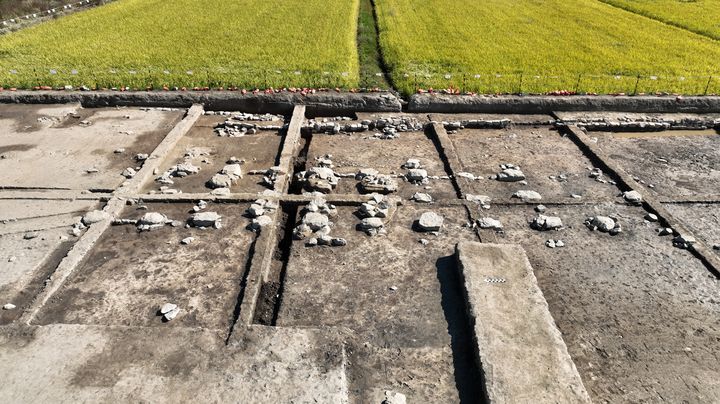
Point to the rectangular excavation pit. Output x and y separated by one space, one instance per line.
35 236
401 298
129 275
73 148
671 164
211 152
540 152
355 151
639 316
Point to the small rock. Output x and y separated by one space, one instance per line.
510 175
94 216
187 240
119 151
338 242
527 195
422 197
169 316
683 241
490 223
544 223
167 308
665 231
412 163
633 197
602 223
430 221
416 175
392 397
540 208
12 259
128 172
550 244
650 217
205 219
30 236
424 241
9 306
559 243
260 222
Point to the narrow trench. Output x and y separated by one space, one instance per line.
429 132
243 287
271 292
270 299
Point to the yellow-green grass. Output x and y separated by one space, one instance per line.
189 43
702 16
535 46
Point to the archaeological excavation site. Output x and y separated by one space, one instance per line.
349 249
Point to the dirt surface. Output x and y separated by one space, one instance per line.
77 363
418 323
130 275
702 219
639 316
676 166
48 147
259 151
540 152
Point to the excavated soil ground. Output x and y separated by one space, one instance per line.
339 324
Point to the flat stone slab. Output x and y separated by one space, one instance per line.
520 350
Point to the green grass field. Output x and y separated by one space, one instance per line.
702 17
533 46
191 43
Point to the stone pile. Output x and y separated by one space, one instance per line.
646 124
270 177
315 225
554 243
318 179
388 127
240 125
604 224
379 183
509 173
259 211
179 170
545 223
372 212
225 177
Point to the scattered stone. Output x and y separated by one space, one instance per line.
422 197
683 241
665 231
469 176
260 222
490 223
417 175
527 195
319 179
540 208
480 199
633 197
30 236
412 163
220 191
12 259
372 226
601 223
141 157
119 151
338 242
378 183
167 308
151 221
545 223
430 222
128 172
424 241
94 216
9 306
92 170
392 397
220 181
170 315
232 170
510 175
651 217
365 172
206 219
576 196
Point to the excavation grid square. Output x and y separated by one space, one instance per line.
210 153
672 164
551 164
397 292
129 274
632 308
69 147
